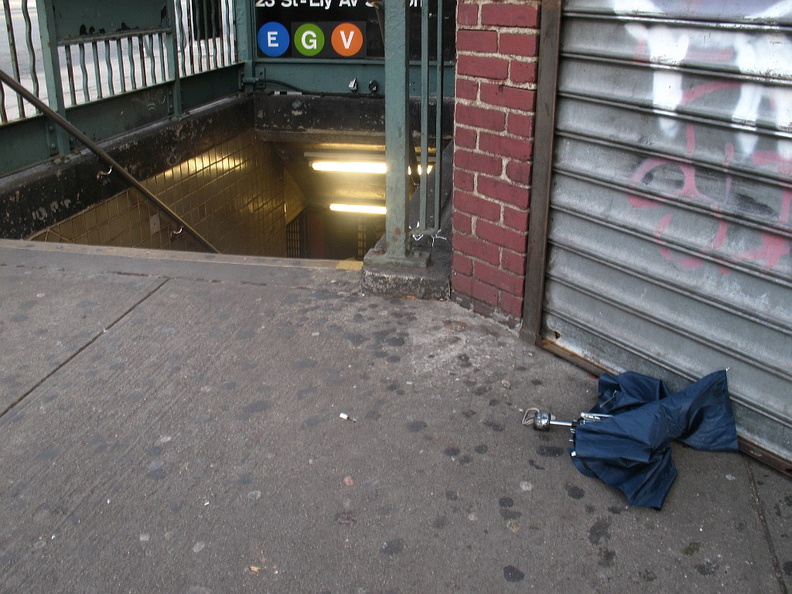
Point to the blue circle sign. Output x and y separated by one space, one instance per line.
273 39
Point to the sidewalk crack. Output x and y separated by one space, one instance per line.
80 350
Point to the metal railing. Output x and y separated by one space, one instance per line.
405 226
104 156
192 37
429 212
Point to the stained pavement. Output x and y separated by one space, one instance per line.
171 424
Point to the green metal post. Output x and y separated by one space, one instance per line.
246 38
52 74
438 115
423 221
395 249
173 59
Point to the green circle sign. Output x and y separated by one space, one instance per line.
309 39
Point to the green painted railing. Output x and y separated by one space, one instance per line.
404 225
127 67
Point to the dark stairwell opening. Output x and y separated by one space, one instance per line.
238 171
213 138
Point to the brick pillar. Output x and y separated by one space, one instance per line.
497 46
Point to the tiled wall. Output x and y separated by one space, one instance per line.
294 200
123 221
237 195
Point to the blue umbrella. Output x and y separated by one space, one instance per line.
630 450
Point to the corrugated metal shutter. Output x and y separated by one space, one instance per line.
669 231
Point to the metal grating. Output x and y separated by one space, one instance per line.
90 63
669 230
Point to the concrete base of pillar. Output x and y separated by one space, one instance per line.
432 281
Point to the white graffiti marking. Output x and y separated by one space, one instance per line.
764 54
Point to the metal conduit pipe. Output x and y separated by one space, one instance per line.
104 156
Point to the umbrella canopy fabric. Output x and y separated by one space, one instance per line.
631 449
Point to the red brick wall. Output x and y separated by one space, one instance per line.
497 46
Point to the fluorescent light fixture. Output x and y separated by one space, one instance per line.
420 169
376 167
358 208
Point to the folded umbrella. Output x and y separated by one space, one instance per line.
630 450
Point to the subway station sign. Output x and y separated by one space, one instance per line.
340 29
313 40
316 29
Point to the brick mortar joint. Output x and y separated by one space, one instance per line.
521 3
498 55
479 104
494 81
502 250
502 178
500 134
506 83
500 28
482 198
503 158
499 266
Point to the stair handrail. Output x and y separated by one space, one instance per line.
116 167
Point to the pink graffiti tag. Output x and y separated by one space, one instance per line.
689 192
773 246
758 54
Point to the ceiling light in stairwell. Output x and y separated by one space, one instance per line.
372 167
420 169
358 208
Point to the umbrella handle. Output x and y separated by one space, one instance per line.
542 421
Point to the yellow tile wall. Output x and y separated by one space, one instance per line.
237 195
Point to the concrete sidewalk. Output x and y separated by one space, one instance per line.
171 424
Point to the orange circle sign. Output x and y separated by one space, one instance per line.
347 39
